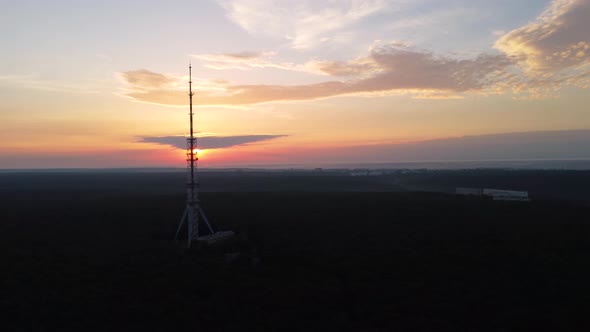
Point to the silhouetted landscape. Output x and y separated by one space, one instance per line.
313 165
314 251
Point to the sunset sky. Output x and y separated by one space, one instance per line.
104 83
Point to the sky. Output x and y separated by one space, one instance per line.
104 84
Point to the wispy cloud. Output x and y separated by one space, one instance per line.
256 60
209 142
242 61
305 23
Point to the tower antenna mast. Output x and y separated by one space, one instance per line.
192 143
193 213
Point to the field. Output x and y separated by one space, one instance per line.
94 252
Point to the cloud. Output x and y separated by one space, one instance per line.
388 68
557 39
358 68
171 90
148 79
255 60
243 55
209 142
536 61
147 86
522 145
404 68
242 61
553 51
305 23
539 145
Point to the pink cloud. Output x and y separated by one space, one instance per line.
393 68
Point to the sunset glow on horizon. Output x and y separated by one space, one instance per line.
99 85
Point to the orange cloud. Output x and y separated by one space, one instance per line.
394 68
147 79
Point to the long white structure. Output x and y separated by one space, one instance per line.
468 191
495 194
507 195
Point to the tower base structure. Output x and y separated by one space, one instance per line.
194 215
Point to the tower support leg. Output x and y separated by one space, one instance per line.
206 220
184 215
194 223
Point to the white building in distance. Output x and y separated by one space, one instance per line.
495 194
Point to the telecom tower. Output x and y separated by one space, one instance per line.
193 213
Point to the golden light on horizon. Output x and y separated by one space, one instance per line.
355 91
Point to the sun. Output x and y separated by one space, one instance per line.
198 152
